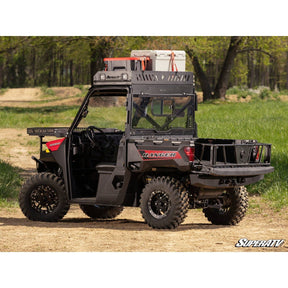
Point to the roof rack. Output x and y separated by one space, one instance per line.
163 82
148 81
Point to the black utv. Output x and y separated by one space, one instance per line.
157 162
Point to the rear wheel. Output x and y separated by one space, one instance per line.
101 212
164 203
43 198
232 209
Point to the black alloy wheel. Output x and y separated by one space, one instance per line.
43 198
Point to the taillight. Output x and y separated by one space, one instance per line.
257 153
190 153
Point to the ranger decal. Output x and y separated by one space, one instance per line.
159 155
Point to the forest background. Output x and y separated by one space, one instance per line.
219 62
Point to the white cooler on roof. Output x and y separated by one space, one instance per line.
163 60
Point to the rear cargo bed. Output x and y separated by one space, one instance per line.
224 153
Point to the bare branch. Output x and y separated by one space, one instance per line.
15 46
256 50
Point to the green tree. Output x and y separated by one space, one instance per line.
208 48
100 47
265 52
218 62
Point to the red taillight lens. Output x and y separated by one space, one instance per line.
257 153
190 152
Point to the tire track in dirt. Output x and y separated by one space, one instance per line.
128 233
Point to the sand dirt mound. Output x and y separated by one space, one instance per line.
25 97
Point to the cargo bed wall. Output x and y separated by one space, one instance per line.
235 152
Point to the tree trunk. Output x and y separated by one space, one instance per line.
1 72
21 68
287 70
274 74
93 61
223 80
100 47
54 73
49 60
61 67
98 52
11 79
71 73
49 76
201 75
33 65
251 71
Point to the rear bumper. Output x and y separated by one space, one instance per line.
225 177
218 182
240 171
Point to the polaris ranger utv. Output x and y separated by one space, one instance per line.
157 163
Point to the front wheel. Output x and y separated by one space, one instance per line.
164 203
43 198
232 209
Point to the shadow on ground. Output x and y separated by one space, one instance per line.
113 224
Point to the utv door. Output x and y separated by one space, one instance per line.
96 156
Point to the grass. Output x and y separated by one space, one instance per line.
265 121
16 117
23 117
3 90
261 92
11 117
10 182
112 117
47 92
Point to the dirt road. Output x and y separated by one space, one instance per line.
128 232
